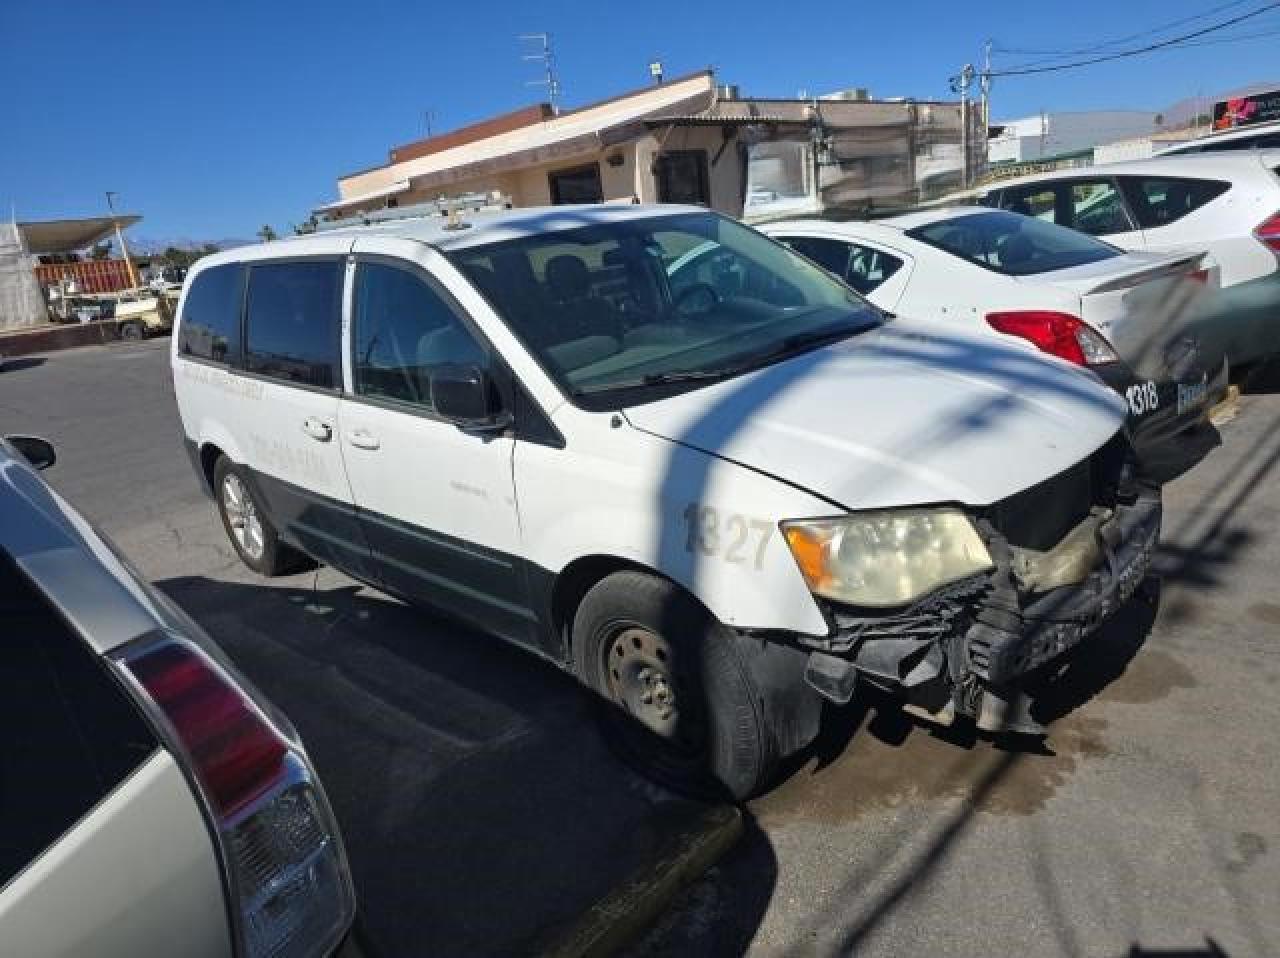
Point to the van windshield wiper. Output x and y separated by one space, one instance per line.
801 342
659 379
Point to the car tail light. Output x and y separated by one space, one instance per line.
1060 334
286 873
1268 233
1199 275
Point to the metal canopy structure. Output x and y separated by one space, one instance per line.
69 236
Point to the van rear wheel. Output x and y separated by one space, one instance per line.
252 535
678 702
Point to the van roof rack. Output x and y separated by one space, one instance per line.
449 207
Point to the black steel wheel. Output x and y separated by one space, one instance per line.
677 701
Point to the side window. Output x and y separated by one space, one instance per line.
1159 201
403 329
868 268
1038 200
831 255
1097 208
210 324
292 326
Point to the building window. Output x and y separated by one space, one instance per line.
683 177
578 185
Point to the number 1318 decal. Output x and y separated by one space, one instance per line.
1142 397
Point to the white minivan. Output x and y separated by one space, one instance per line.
718 489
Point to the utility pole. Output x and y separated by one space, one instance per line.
984 84
547 59
961 83
124 250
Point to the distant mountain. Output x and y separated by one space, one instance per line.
158 244
1185 111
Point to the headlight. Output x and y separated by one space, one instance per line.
886 558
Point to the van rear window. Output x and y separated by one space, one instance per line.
1013 244
210 324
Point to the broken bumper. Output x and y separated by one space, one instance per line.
986 633
1009 639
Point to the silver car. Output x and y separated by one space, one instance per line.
151 801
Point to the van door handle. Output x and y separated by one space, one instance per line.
363 439
317 429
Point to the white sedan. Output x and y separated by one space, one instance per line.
1227 204
1128 316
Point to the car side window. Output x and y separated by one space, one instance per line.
868 268
292 322
1097 208
403 330
210 324
832 255
1160 200
1039 201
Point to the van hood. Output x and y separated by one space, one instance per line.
909 413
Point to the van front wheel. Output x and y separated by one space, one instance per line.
678 701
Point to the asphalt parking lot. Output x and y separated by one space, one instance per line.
481 809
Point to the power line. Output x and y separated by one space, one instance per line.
1136 51
1098 47
1239 38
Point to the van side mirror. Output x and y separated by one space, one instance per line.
467 396
39 452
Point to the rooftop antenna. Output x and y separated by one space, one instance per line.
544 56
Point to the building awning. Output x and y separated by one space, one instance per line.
69 236
395 189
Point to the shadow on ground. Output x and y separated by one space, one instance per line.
479 805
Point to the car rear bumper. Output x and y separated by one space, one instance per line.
1171 433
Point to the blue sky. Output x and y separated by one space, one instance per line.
213 118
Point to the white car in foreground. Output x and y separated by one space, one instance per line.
1127 316
1225 203
716 493
151 801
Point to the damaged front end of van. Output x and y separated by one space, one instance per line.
954 609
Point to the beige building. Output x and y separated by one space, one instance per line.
604 152
684 141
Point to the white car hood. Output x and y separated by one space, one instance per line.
907 414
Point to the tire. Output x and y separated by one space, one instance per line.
677 699
132 332
252 535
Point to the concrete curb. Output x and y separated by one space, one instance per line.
628 910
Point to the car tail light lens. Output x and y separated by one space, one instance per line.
1199 275
286 872
1060 334
1268 233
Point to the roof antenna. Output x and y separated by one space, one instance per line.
544 56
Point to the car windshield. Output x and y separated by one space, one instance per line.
656 304
1013 244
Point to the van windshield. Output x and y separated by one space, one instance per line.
630 310
1013 244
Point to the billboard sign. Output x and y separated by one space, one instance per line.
1246 110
